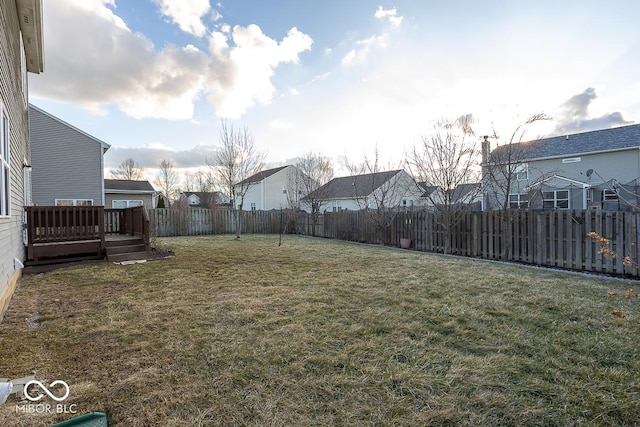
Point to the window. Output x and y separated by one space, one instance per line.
519 201
558 199
74 202
521 172
609 195
5 165
123 204
253 206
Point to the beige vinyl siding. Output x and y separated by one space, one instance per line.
13 101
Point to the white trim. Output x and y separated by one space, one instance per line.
127 203
74 202
5 164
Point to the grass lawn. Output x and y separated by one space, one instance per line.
319 332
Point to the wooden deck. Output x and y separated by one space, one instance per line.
70 233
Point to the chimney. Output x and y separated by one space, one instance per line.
486 149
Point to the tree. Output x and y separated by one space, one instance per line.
503 168
129 169
167 180
313 171
235 161
446 159
379 189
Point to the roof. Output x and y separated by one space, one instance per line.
128 185
351 187
200 194
104 145
603 140
262 175
30 17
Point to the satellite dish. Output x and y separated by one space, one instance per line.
589 173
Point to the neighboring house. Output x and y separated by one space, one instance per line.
21 47
598 169
469 195
123 193
389 189
204 199
271 189
68 166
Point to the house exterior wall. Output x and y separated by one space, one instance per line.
67 164
147 199
13 96
622 166
267 194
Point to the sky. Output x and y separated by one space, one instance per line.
340 78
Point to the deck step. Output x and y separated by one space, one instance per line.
123 249
123 241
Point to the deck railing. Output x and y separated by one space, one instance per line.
47 224
54 231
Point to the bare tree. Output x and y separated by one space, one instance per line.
313 171
504 168
235 161
379 189
167 180
129 169
204 181
189 183
445 160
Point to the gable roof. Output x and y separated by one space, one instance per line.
33 108
262 175
351 187
597 141
128 186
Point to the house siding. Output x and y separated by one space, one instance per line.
15 106
147 199
622 165
58 149
267 194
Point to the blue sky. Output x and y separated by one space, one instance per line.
153 78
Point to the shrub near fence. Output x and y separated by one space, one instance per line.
548 238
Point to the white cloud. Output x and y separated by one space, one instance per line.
99 61
389 14
187 14
294 91
240 74
362 48
281 124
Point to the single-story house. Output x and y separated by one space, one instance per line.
124 193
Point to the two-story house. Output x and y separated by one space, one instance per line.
22 52
68 165
271 189
598 169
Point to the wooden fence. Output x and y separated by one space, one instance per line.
547 238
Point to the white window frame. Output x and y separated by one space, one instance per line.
552 198
5 164
128 203
74 202
23 69
253 206
521 172
518 201
610 195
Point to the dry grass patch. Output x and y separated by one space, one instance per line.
318 332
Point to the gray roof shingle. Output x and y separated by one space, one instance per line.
261 175
127 185
579 143
350 187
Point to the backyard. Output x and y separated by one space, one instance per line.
320 332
